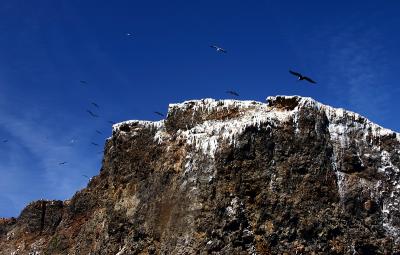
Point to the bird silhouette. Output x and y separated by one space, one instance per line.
301 77
95 144
99 132
92 114
5 140
95 105
83 82
159 113
111 122
219 49
232 93
62 163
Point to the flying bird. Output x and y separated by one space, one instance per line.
92 114
159 113
111 122
232 93
95 105
62 163
301 77
95 144
219 49
99 132
128 34
83 82
4 141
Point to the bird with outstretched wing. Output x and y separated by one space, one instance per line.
301 77
219 49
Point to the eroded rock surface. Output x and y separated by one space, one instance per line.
291 176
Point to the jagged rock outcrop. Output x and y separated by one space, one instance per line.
291 176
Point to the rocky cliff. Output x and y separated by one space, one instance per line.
291 176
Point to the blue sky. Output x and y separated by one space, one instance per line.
47 47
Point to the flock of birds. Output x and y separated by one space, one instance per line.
299 76
218 49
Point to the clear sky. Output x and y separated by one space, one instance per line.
351 48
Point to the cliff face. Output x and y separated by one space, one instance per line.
229 177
